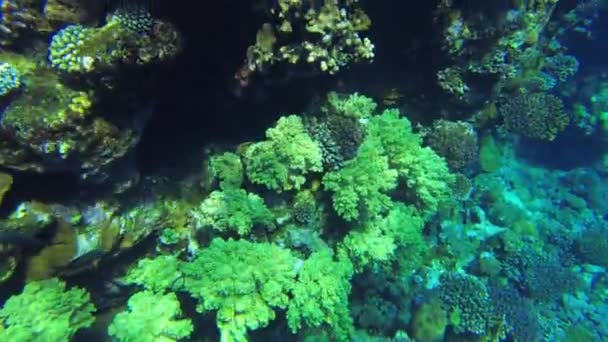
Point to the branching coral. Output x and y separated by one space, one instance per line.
232 209
468 303
45 311
320 296
245 282
537 116
283 161
456 141
151 317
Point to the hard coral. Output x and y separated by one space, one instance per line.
468 303
455 141
538 116
10 80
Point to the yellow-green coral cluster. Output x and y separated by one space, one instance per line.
45 311
245 282
151 317
282 162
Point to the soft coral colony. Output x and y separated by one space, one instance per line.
347 222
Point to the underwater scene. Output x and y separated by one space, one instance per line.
303 170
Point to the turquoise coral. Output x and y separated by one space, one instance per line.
10 80
45 312
151 317
65 50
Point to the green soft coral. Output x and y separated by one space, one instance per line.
360 187
45 312
376 240
245 282
232 210
320 296
424 173
283 160
228 169
157 275
355 105
151 317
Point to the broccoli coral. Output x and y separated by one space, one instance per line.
151 317
377 239
420 169
354 106
360 186
244 281
156 274
232 209
228 168
283 161
65 49
45 312
320 295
